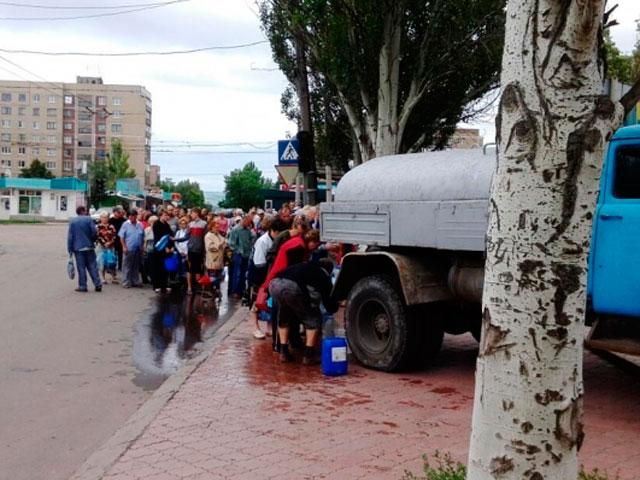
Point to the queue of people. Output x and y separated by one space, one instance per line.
267 254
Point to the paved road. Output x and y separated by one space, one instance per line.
68 376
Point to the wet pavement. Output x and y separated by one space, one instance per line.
174 331
241 414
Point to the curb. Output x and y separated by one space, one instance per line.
100 461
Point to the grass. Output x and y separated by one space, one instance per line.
14 222
445 468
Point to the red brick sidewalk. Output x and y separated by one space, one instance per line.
242 415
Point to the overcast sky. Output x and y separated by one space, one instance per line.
223 96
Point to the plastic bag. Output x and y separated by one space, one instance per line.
262 299
71 268
109 259
162 243
171 263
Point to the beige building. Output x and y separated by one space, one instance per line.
68 125
466 138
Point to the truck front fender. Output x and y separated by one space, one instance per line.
421 279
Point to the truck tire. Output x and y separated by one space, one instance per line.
379 328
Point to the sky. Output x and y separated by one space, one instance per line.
227 100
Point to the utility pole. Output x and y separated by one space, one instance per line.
308 161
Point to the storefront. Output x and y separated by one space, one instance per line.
40 199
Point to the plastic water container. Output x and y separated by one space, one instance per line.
334 356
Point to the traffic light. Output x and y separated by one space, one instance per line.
306 155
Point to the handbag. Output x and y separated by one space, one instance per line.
262 299
71 268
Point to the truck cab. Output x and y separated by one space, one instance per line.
420 221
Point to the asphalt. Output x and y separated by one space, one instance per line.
235 412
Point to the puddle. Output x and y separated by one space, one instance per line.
173 331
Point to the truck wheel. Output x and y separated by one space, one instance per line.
378 326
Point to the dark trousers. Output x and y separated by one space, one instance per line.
239 274
86 262
158 272
118 248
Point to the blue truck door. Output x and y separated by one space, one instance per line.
615 274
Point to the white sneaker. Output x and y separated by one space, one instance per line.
259 335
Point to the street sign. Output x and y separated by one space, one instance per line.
288 152
287 174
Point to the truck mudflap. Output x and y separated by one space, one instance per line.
421 279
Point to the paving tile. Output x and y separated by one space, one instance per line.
243 415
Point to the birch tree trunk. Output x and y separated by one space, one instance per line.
553 124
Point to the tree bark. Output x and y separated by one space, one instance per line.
552 126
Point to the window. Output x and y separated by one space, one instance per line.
36 111
51 125
5 163
68 126
52 99
68 99
67 166
85 129
35 138
68 140
102 140
62 199
101 127
51 138
20 123
52 112
36 125
35 151
102 101
5 110
22 137
5 150
5 123
5 97
84 116
36 98
116 128
5 137
22 97
117 114
51 152
116 101
50 165
22 150
67 113
626 182
22 110
30 202
22 163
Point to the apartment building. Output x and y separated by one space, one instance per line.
69 125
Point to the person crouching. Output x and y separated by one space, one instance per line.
298 290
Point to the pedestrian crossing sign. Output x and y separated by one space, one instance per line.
288 152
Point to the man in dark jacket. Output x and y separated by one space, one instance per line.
298 290
81 240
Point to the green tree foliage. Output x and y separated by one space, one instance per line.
242 187
624 68
117 164
37 169
402 71
192 195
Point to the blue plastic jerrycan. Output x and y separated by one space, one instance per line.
334 356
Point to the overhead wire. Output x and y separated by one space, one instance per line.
74 7
95 15
134 54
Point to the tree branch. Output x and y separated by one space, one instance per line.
630 98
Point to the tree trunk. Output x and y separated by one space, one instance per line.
552 126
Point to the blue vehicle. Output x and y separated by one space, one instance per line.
614 264
422 271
